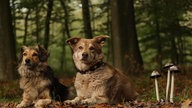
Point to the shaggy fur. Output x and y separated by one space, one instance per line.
37 80
96 81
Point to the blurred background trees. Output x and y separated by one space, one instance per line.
145 34
7 40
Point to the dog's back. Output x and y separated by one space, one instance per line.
119 87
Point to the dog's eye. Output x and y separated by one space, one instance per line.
35 54
91 48
24 54
80 47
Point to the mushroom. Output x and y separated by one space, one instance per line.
173 69
167 66
154 75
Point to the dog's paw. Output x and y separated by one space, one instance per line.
70 102
73 102
89 101
42 103
22 105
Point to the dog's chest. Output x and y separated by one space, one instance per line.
33 80
85 84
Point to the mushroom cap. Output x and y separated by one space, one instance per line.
155 74
168 65
174 69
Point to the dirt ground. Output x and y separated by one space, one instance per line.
131 104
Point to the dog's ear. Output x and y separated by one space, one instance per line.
72 41
22 49
43 53
100 40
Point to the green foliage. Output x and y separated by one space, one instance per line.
57 29
163 28
162 32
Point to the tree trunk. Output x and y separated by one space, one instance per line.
26 27
157 33
37 22
7 46
67 32
109 52
13 10
126 52
66 18
47 23
133 44
116 34
86 19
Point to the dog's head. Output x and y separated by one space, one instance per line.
32 56
87 52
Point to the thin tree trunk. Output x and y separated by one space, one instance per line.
26 27
117 58
157 33
14 17
7 46
174 53
67 31
47 23
109 52
86 19
92 18
37 22
66 18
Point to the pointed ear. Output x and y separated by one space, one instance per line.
43 53
72 41
100 39
22 49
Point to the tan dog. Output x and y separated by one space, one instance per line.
37 80
96 81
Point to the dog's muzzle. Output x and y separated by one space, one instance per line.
85 56
28 62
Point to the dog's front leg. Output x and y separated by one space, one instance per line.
28 98
75 101
44 99
24 103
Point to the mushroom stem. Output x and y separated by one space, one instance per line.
168 84
157 89
172 87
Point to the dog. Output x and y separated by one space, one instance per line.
37 80
96 81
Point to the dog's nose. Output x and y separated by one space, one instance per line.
27 60
85 55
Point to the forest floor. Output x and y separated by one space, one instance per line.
10 94
135 104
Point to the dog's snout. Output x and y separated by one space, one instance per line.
85 55
27 60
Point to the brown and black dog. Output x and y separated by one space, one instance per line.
37 80
96 81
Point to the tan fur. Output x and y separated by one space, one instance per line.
36 77
105 84
33 82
